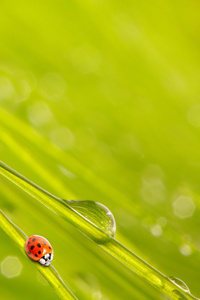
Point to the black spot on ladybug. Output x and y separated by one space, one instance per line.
39 245
33 240
35 255
39 252
32 247
29 252
50 248
29 243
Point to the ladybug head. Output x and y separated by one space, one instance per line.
46 259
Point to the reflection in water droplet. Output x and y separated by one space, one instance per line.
181 284
96 213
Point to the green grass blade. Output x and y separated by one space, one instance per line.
50 273
108 243
12 127
55 204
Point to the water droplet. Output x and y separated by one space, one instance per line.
96 213
181 284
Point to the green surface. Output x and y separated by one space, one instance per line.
11 266
100 100
96 222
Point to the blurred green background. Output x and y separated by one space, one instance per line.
100 100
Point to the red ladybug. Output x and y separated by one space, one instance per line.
39 249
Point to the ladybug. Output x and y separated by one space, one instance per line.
39 249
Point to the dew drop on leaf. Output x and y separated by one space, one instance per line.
181 284
96 213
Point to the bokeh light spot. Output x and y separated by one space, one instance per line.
97 295
63 138
156 230
25 83
6 88
11 266
185 249
39 113
153 189
183 207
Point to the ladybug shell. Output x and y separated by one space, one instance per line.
37 246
